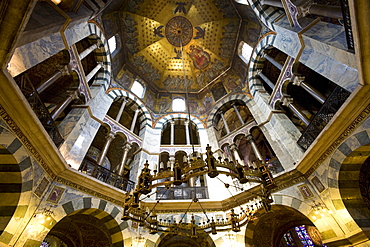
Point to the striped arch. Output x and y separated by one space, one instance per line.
267 14
102 55
243 97
281 203
257 62
162 121
343 180
107 213
119 92
16 181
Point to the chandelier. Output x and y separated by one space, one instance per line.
196 166
191 168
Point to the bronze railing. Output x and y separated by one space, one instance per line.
181 193
332 104
39 109
91 168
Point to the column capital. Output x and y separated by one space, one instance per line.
287 101
298 80
233 147
110 136
249 137
127 146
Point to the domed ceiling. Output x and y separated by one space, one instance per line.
161 36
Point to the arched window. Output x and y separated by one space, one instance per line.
245 52
138 89
112 43
178 104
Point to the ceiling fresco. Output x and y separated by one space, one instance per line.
163 37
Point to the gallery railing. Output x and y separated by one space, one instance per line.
332 104
347 25
40 109
181 193
90 167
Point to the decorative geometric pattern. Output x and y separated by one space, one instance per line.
103 210
179 31
115 93
15 163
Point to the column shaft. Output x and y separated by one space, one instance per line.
275 3
273 61
134 120
103 153
187 133
93 72
86 52
316 94
238 114
326 10
254 147
225 123
48 82
172 137
299 114
119 115
126 149
267 80
60 108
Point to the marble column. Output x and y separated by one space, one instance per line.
171 159
93 72
238 114
273 61
53 78
299 81
172 132
254 147
134 120
265 79
289 103
310 8
103 153
119 115
187 132
126 148
60 108
225 123
274 3
90 49
236 156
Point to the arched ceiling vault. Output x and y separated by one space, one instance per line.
159 36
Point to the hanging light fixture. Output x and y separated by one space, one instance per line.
193 167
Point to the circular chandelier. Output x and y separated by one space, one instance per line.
196 166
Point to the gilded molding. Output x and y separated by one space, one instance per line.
87 190
27 144
360 118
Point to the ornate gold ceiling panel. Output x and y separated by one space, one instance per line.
159 35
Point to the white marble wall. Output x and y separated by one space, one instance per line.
79 128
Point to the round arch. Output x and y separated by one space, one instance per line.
119 92
107 214
163 120
257 62
268 229
245 97
17 172
344 173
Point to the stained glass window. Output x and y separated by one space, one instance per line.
44 244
